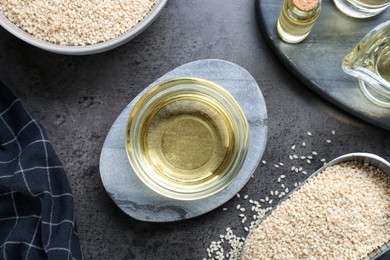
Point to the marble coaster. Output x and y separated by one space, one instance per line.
142 203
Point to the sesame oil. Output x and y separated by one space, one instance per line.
188 140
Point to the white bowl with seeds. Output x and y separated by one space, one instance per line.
76 27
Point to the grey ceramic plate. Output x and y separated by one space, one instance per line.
88 49
317 60
372 159
140 202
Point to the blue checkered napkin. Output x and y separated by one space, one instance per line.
36 203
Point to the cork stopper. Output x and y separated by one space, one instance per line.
306 5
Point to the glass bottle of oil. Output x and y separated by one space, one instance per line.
369 61
297 19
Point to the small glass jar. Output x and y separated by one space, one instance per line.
297 19
187 138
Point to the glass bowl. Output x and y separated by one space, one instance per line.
187 138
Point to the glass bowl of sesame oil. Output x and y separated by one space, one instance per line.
187 138
369 62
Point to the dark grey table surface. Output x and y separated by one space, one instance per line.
77 99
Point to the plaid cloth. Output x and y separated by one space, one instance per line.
36 203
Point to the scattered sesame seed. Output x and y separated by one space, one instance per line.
293 147
328 141
308 161
279 179
238 206
270 201
242 209
262 200
304 172
266 198
281 164
276 192
224 209
303 157
292 168
282 186
303 144
309 134
241 215
333 132
286 190
314 153
295 156
238 195
272 192
264 162
309 157
276 166
290 156
246 229
245 197
323 160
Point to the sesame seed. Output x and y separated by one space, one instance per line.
333 132
264 162
272 192
303 157
308 161
242 209
266 198
270 201
309 134
314 153
245 197
290 156
238 206
293 147
303 144
224 209
276 192
281 164
328 141
238 195
276 166
295 156
323 160
282 176
292 168
357 182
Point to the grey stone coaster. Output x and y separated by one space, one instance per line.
140 202
317 60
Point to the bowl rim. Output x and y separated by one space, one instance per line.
86 49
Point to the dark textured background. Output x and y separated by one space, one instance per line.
77 99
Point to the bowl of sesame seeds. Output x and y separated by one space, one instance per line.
340 212
75 27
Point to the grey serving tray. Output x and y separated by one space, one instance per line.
317 60
135 198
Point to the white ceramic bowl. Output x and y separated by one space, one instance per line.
88 49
